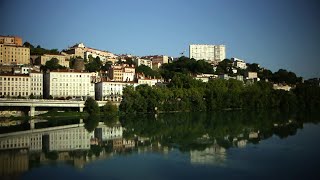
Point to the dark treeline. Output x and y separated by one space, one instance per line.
38 50
184 93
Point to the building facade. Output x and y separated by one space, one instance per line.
11 40
116 73
15 85
207 52
145 62
148 81
239 63
111 90
63 61
128 74
36 88
68 83
11 54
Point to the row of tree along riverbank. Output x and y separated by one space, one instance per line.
184 93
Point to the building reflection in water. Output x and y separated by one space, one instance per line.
213 155
70 143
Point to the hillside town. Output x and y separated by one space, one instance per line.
79 71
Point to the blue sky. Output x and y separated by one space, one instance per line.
274 33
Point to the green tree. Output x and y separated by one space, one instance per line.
53 64
91 106
147 71
94 64
109 113
91 122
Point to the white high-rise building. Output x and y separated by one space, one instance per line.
207 52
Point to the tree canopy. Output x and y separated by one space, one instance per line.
94 64
147 71
52 64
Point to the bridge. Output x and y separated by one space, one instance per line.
33 103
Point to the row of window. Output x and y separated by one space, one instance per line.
13 79
66 75
14 93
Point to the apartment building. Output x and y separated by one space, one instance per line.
239 63
145 62
207 52
116 73
122 73
12 54
157 60
15 85
111 90
148 81
68 83
11 40
36 88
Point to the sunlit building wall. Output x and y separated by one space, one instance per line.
15 85
68 83
207 52
12 54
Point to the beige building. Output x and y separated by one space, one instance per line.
157 60
63 60
80 50
116 73
207 52
76 50
69 83
146 62
15 85
251 75
11 54
11 40
122 73
36 83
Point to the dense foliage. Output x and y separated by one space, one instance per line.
91 106
94 64
52 64
39 50
147 71
184 93
186 66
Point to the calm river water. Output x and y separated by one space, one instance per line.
220 145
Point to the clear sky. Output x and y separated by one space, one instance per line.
274 33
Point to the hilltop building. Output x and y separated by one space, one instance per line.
239 63
12 51
207 52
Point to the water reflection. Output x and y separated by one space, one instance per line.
206 137
71 144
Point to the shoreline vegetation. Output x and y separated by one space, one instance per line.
184 94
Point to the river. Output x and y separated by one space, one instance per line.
217 145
